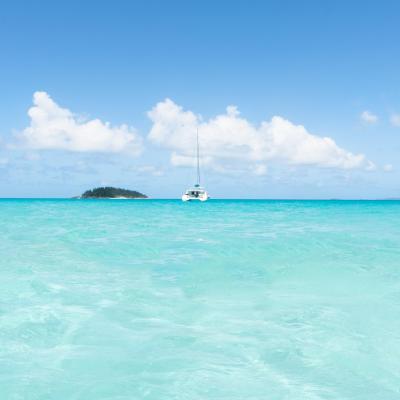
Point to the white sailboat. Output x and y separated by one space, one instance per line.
196 192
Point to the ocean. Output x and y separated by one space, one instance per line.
228 299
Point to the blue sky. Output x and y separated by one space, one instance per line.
329 67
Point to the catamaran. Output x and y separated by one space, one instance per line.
196 192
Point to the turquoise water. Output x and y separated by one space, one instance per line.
223 300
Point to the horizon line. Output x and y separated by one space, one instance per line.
219 198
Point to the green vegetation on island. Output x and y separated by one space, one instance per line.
112 193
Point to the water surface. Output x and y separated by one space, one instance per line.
159 299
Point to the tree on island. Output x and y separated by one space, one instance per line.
111 192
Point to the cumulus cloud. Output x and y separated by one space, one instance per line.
54 127
368 117
230 138
395 120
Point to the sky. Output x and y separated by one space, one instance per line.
291 99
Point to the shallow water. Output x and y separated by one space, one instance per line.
159 299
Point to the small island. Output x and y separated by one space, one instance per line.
112 193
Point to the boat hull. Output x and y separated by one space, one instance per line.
202 197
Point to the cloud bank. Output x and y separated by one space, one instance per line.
230 138
54 127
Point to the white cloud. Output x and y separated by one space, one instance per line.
230 138
388 167
370 166
368 117
395 120
54 127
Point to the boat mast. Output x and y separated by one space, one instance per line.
198 159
